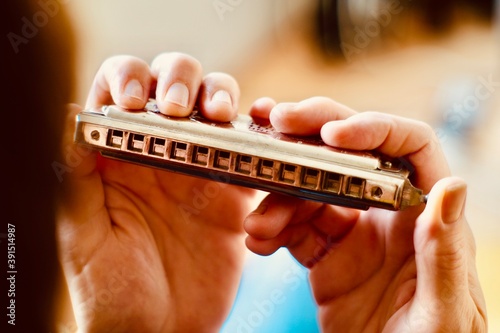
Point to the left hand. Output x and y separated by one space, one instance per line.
376 270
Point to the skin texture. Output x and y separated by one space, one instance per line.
145 250
376 270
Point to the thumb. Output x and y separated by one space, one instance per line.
441 248
80 161
80 184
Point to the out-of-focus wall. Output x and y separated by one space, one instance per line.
421 78
222 34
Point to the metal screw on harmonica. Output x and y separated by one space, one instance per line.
248 154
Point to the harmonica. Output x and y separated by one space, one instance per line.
251 153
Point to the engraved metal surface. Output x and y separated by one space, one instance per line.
245 153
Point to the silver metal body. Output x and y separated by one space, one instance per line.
245 153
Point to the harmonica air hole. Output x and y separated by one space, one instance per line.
115 138
222 159
357 180
355 187
265 169
95 135
135 142
178 151
287 173
332 182
200 155
244 164
157 147
310 178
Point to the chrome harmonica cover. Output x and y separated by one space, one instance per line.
248 153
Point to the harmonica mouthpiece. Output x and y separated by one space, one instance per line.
249 154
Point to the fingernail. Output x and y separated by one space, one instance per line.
453 202
134 89
222 96
178 93
260 210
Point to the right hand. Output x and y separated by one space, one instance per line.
376 270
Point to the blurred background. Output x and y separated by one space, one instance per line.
436 61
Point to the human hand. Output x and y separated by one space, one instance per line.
145 250
376 270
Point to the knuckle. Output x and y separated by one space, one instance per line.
117 68
187 61
431 140
427 130
217 80
178 60
219 77
122 61
318 101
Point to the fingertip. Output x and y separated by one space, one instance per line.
440 220
307 117
331 133
261 107
446 200
255 224
284 118
219 97
77 160
134 95
432 211
73 108
270 218
350 133
219 107
261 247
121 80
454 200
176 100
72 111
178 78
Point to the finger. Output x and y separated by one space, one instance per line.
308 116
442 244
277 211
269 218
82 193
307 243
261 108
219 97
178 81
121 80
393 136
284 221
79 161
293 236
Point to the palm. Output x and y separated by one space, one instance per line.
368 289
171 242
